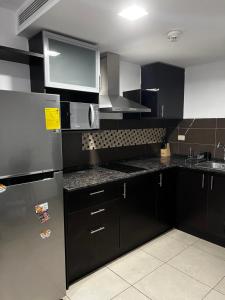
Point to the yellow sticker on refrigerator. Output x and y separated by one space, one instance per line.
52 118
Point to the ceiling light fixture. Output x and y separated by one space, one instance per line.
133 13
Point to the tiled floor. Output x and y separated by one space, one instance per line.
175 266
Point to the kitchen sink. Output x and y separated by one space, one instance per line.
212 165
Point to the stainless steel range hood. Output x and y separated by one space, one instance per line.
110 100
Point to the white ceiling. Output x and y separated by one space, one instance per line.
11 4
145 40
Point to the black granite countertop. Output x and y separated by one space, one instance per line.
99 175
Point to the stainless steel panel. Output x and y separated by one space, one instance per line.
110 100
26 145
32 267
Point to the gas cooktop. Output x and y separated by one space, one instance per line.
123 168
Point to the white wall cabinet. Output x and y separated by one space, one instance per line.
71 64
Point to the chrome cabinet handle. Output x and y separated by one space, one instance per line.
203 181
212 179
97 212
97 230
162 111
124 190
98 192
160 179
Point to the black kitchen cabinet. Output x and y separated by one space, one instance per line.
216 207
165 204
144 97
105 221
191 203
166 82
91 228
138 212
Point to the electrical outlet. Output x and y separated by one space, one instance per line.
181 137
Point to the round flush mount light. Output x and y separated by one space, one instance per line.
174 35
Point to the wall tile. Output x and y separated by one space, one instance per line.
123 153
175 148
220 123
121 138
220 136
184 149
198 123
199 136
172 134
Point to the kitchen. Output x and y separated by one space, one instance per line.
113 150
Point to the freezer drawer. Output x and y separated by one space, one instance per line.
32 259
27 146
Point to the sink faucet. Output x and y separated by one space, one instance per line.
220 145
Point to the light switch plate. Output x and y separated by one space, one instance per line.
181 137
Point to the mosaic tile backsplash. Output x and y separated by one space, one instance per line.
121 138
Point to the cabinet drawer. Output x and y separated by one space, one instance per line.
89 246
93 196
96 215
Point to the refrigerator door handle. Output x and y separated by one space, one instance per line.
18 181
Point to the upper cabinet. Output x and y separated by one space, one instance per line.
69 64
166 83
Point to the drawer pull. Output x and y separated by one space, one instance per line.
97 211
98 192
203 181
97 230
160 179
124 190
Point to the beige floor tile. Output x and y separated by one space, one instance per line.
131 294
211 248
164 248
201 265
221 286
101 285
134 266
214 295
182 236
166 283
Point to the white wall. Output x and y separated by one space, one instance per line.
205 91
130 76
13 76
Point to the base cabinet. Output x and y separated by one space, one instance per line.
165 204
200 205
216 207
91 228
91 245
191 205
106 221
137 212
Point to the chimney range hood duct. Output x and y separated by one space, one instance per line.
110 100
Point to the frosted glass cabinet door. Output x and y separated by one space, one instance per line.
71 64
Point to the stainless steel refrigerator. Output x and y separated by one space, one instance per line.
32 259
